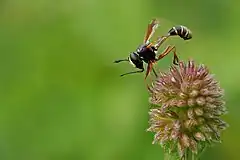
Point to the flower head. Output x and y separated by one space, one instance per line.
187 104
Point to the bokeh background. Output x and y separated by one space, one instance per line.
61 97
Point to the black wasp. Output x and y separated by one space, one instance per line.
148 50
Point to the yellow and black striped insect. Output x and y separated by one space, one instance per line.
181 31
147 52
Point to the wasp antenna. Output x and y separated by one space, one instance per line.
121 60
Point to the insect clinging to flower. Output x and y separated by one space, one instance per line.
147 52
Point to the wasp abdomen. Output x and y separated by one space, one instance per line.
181 31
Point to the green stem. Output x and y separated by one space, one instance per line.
193 156
190 155
167 156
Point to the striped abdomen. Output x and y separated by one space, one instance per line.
181 31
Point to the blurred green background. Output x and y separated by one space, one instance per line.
61 97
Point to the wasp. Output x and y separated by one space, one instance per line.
147 52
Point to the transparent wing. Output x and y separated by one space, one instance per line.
150 30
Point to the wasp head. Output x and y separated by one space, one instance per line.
135 60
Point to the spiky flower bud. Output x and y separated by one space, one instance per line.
187 104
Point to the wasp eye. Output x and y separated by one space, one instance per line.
135 60
134 56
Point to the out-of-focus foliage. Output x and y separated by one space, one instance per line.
61 96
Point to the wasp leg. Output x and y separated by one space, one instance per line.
121 60
155 73
167 51
160 41
132 72
149 68
175 58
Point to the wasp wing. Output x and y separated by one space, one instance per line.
150 30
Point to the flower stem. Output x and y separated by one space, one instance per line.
190 155
167 156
